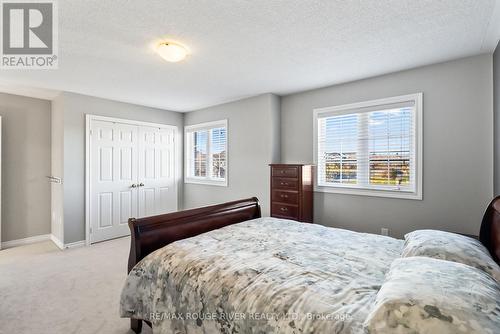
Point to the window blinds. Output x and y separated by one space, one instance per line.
372 147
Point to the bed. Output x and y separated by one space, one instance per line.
225 269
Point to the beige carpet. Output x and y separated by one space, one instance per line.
45 290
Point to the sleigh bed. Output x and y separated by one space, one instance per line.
225 269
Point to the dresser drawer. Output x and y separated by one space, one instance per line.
285 171
285 183
284 211
288 197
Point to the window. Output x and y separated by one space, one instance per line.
206 153
371 148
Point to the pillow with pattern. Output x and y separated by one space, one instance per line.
451 247
425 295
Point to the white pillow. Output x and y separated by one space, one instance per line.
450 247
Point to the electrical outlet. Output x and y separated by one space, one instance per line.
384 231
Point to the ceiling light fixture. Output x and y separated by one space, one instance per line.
172 52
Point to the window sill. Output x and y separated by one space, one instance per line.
370 192
206 182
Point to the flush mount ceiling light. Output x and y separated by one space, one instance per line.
172 52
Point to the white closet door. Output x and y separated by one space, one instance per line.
157 194
113 198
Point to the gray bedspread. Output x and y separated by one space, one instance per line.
261 276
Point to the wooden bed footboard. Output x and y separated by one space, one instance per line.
151 233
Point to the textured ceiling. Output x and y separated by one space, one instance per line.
241 48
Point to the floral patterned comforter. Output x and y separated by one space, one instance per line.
261 276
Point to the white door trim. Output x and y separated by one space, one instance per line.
88 119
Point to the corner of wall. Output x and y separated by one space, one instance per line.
275 109
57 167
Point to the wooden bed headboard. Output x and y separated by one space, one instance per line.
152 233
489 235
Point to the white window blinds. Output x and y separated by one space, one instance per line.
371 146
206 153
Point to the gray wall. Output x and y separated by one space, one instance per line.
458 146
25 163
496 99
75 107
253 143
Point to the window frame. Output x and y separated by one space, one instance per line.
417 99
205 180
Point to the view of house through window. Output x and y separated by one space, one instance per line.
218 153
206 153
200 153
369 147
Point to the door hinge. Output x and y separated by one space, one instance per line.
91 230
91 132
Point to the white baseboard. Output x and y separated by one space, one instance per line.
63 246
26 241
40 238
58 242
80 243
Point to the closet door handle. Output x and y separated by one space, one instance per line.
134 185
141 184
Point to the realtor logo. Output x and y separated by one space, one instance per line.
29 34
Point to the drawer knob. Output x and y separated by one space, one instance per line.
284 183
284 209
284 196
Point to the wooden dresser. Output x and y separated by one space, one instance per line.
292 192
